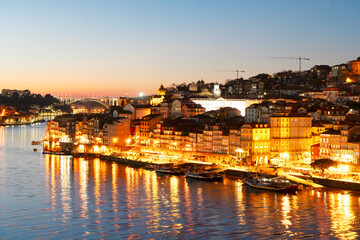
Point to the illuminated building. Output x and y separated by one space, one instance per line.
147 125
255 142
138 111
157 99
220 140
315 152
162 91
191 110
86 133
354 66
60 133
316 129
341 145
214 104
234 141
333 113
291 134
116 133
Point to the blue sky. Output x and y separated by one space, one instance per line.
127 47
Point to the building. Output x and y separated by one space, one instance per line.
138 111
320 72
257 113
215 104
337 71
341 144
291 137
220 140
116 133
354 66
191 110
11 92
234 142
147 125
176 108
255 143
333 113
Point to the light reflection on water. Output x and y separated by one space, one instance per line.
44 196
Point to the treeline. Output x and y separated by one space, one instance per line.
24 102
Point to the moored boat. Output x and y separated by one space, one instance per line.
276 184
35 142
170 168
205 175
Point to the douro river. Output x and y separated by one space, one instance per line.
60 197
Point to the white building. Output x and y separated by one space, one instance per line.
257 113
211 104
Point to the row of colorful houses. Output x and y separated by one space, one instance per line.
286 137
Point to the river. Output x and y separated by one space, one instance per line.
60 197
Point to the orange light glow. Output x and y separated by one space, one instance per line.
348 80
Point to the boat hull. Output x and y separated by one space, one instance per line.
205 177
286 189
168 171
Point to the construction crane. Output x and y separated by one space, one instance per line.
237 72
294 58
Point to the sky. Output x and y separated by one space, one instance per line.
122 48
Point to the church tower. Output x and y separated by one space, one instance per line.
162 91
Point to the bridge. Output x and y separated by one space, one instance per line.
105 101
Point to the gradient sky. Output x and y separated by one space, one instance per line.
121 48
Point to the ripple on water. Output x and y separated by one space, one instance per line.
44 197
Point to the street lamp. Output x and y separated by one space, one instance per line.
240 153
284 156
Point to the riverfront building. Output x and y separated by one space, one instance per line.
341 144
291 136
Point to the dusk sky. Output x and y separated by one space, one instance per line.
121 48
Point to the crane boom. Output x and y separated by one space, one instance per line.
294 58
237 72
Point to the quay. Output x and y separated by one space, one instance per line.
336 183
22 123
315 182
136 163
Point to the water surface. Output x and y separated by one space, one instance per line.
60 197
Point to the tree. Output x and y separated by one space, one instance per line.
323 164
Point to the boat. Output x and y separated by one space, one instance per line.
207 175
35 142
170 168
275 184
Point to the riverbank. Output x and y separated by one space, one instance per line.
232 171
336 183
138 163
22 123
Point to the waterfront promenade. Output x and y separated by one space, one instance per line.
150 161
